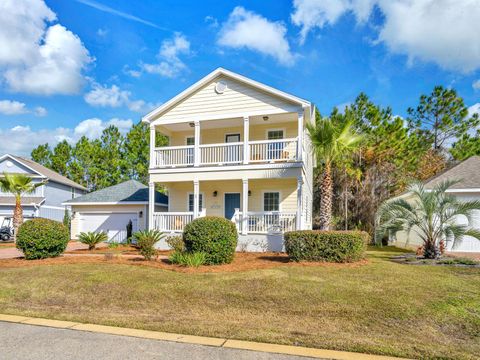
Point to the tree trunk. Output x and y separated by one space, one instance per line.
17 217
430 249
326 194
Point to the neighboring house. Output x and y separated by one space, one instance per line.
111 209
47 200
237 149
467 173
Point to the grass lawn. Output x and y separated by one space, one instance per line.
380 307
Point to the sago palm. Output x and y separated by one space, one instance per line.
432 214
18 185
331 141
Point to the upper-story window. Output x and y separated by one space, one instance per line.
275 134
275 150
190 140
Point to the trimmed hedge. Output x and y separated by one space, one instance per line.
215 236
329 246
42 238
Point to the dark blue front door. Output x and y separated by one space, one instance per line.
232 202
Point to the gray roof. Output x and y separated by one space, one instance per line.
128 191
467 173
50 174
25 200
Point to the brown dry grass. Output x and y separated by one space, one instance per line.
378 307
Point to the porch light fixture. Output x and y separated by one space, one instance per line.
265 118
249 192
140 214
215 193
191 124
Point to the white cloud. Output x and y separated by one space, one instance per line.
476 85
170 65
104 96
92 128
474 109
246 29
9 107
40 111
21 140
12 107
36 57
446 32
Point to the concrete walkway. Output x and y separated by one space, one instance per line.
24 342
12 252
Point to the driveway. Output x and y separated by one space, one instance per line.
20 341
12 252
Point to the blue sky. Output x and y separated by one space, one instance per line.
71 67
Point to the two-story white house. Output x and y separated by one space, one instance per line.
237 149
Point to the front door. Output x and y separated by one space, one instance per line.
232 202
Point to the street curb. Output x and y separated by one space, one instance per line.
197 340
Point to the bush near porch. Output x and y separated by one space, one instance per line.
42 238
215 236
329 246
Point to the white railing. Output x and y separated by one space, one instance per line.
171 156
171 221
267 221
219 154
269 151
273 150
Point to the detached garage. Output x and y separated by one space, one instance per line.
111 209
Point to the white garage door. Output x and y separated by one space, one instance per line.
114 224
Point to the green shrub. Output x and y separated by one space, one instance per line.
215 236
92 238
195 259
329 246
146 240
175 243
42 238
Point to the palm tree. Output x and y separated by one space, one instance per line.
432 214
18 185
331 141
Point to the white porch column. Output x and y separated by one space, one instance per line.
245 207
196 150
153 162
196 198
246 136
299 203
151 205
300 136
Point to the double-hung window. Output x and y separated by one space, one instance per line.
275 149
190 202
271 201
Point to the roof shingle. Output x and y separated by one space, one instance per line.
467 173
128 191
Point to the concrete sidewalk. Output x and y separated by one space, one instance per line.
177 346
20 341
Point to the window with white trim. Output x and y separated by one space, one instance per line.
190 202
271 201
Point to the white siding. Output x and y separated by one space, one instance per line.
237 98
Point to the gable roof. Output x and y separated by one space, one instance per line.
223 72
131 191
46 172
467 173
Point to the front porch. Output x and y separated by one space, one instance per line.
256 206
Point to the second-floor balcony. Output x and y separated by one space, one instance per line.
263 151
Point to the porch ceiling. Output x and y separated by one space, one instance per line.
232 122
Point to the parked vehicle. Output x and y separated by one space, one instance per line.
6 231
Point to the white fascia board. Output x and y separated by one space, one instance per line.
19 161
225 168
111 203
218 72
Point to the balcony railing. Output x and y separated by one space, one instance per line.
264 151
219 154
273 150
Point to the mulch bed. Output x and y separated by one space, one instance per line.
412 259
241 262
